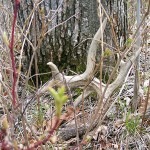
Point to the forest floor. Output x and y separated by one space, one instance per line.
121 129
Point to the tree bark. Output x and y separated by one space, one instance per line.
68 43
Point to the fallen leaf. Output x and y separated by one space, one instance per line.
68 115
53 139
119 123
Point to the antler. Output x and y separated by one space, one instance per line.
86 77
81 79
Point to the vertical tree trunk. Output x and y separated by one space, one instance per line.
67 44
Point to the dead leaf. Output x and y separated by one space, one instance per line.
119 123
68 115
53 139
101 129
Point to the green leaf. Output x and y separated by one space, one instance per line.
60 99
128 42
107 52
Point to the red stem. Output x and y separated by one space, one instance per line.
11 46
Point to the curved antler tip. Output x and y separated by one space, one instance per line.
49 63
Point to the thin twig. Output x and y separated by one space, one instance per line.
75 117
146 104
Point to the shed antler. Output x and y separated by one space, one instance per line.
87 76
81 79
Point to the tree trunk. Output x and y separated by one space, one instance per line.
67 44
